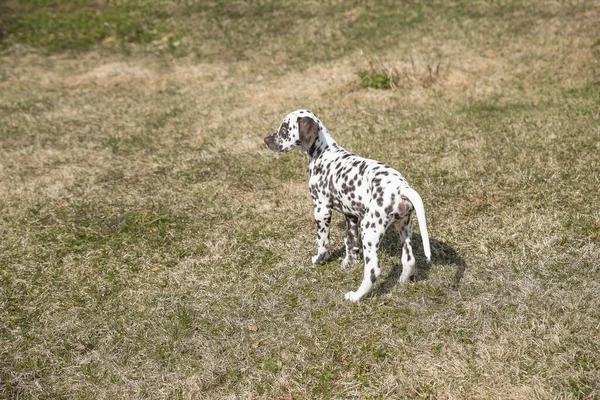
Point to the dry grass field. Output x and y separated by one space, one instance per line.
151 246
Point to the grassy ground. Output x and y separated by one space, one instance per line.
152 247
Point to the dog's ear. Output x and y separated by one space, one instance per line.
309 132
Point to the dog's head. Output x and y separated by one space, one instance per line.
298 130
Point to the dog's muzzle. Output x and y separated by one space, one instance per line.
270 142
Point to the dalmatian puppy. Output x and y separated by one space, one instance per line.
367 192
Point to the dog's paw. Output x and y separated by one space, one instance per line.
320 258
352 296
404 279
348 261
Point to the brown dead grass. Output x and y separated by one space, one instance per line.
141 214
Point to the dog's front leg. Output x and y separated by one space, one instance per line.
373 228
352 241
323 219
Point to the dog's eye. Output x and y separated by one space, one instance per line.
298 143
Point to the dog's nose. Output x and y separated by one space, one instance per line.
268 139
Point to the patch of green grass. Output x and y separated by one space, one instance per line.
218 30
377 80
584 100
57 25
485 109
581 388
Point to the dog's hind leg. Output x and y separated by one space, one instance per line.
404 228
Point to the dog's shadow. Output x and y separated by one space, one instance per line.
441 254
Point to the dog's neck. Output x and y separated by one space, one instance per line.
323 144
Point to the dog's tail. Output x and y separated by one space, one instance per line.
417 203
